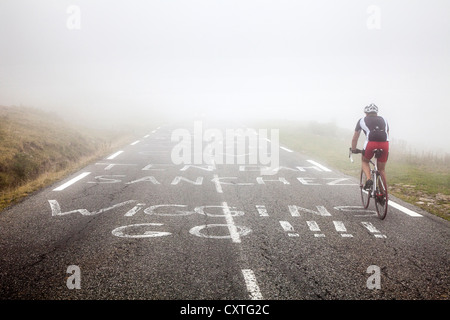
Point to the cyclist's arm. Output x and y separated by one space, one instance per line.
355 139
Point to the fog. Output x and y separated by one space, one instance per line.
244 59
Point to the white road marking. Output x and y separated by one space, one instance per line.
72 181
404 210
230 223
109 166
56 209
136 142
286 149
217 184
340 227
134 210
313 226
118 232
321 211
252 285
114 155
319 165
262 211
372 229
288 228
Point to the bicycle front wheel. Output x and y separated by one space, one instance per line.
365 195
381 197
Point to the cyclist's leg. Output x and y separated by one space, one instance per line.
382 169
366 167
382 160
366 156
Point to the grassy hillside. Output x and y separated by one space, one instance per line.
422 179
38 148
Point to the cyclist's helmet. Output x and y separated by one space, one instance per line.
371 108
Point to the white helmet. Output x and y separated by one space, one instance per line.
371 108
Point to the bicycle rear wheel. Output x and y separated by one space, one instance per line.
381 197
365 195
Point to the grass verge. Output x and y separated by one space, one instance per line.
38 148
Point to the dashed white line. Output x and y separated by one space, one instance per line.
72 181
114 155
252 285
136 142
404 210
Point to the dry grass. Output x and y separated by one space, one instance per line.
39 148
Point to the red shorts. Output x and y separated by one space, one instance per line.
372 145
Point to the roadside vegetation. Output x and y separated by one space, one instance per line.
38 148
420 178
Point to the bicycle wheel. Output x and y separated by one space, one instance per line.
365 196
381 197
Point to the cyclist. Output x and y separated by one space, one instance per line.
376 129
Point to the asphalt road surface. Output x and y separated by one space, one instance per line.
136 225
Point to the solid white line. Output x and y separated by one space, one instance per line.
136 142
114 155
70 182
230 223
286 149
404 210
319 165
217 184
252 285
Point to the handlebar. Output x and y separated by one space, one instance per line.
350 153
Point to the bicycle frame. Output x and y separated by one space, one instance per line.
378 191
373 173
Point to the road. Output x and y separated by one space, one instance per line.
135 225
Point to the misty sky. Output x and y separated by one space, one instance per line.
307 60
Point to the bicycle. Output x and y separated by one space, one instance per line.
378 191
